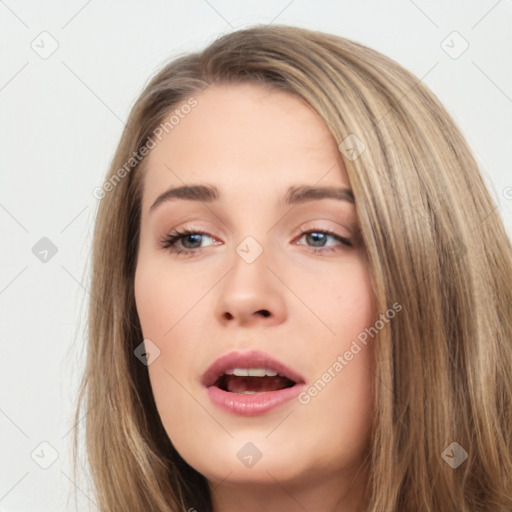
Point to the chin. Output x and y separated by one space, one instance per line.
252 459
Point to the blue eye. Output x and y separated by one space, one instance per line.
186 236
322 236
180 242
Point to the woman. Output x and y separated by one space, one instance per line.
342 342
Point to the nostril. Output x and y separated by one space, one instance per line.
263 312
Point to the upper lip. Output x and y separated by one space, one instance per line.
251 359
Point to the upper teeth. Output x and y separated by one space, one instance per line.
251 372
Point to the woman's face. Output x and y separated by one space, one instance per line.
261 273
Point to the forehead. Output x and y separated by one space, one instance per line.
245 136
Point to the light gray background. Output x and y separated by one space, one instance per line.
61 118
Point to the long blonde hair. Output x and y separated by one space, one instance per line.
435 244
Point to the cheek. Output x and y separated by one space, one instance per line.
162 302
164 295
342 300
343 360
168 306
150 299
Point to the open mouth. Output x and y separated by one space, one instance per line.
251 381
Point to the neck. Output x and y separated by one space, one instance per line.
335 492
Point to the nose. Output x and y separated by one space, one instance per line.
251 294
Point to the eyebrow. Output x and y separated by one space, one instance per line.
294 195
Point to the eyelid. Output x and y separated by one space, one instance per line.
312 225
343 230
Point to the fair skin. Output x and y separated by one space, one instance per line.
303 308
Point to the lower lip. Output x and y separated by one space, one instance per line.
255 404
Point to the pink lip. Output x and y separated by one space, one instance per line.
252 405
258 403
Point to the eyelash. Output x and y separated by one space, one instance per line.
169 240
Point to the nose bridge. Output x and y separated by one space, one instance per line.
251 232
249 273
250 249
250 287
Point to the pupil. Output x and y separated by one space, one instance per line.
317 235
188 237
